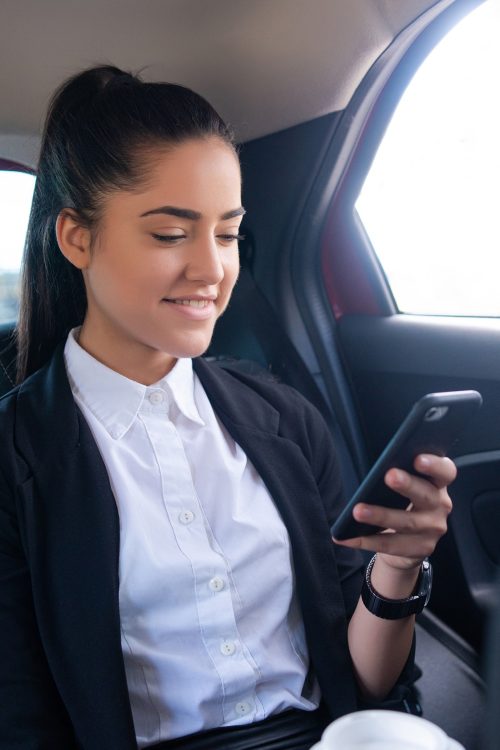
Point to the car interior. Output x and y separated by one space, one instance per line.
309 87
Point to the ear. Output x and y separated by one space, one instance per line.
73 239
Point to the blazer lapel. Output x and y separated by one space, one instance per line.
254 423
71 534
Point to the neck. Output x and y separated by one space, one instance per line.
134 360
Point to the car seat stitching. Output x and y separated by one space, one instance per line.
6 373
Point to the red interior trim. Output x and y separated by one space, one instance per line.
348 283
7 165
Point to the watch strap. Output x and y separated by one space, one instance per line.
395 609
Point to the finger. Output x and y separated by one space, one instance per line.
440 469
401 545
401 521
420 491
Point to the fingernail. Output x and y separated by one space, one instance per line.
397 477
424 461
364 512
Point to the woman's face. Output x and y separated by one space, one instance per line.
164 261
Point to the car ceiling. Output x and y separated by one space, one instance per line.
264 64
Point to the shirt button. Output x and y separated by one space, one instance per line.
186 517
216 584
156 397
227 648
242 708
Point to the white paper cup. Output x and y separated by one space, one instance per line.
384 730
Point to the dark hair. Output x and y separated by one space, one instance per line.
99 124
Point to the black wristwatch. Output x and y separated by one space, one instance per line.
395 609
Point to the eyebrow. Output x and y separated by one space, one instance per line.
188 213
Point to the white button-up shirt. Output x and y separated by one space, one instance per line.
212 634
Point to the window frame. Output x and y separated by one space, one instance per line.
345 267
375 129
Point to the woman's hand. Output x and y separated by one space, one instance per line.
379 648
412 534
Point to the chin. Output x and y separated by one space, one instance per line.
189 349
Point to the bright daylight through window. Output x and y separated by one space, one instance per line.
16 191
430 203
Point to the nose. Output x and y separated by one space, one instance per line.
204 263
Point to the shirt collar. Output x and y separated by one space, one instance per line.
114 399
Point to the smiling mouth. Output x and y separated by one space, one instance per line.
198 303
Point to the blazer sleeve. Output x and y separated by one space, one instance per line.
350 563
32 716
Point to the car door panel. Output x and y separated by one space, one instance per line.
391 361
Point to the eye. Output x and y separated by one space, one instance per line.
168 238
231 237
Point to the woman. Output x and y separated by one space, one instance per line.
168 579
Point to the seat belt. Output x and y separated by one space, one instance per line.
282 359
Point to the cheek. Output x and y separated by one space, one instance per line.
128 275
231 271
114 278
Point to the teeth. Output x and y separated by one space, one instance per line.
192 302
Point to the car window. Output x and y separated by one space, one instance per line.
430 201
16 192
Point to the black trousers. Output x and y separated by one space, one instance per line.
291 730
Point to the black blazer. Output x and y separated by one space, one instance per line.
62 677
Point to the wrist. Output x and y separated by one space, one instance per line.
393 583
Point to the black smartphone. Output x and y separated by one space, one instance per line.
432 426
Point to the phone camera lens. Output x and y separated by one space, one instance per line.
435 413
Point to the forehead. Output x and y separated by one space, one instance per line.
203 175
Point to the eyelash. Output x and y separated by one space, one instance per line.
232 237
171 238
